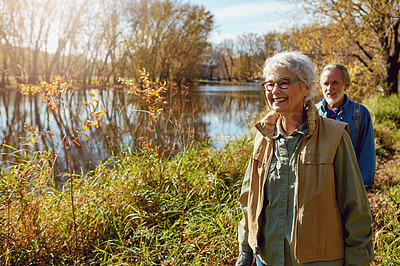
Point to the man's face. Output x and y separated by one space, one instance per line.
333 87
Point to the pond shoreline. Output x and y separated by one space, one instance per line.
206 113
12 87
223 82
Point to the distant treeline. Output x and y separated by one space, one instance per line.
95 42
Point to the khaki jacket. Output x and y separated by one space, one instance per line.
318 228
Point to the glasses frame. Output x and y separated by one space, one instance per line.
277 82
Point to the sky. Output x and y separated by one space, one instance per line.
234 17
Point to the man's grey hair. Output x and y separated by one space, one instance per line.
298 63
345 73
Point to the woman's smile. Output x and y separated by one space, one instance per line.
279 99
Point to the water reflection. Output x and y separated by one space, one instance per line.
225 110
212 113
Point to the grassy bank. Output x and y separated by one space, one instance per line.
146 209
385 196
134 209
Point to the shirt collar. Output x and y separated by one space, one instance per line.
302 129
266 126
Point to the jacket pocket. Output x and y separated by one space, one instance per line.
316 159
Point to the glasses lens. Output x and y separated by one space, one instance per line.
269 86
283 84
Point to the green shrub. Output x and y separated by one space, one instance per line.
386 109
385 113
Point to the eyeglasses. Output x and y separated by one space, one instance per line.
283 84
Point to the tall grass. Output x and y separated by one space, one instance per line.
146 208
136 208
387 233
385 197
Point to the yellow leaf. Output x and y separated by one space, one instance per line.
97 114
85 125
93 93
95 123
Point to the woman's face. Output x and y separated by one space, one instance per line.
289 100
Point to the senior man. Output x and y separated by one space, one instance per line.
335 80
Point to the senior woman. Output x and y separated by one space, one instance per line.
302 196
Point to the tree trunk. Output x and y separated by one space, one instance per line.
33 73
393 69
393 62
3 74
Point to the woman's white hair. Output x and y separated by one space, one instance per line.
298 63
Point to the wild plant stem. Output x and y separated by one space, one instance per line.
67 147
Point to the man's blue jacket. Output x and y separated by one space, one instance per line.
363 141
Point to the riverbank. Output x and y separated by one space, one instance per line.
227 82
149 209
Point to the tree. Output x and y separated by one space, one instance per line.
71 18
11 39
373 27
167 38
251 57
107 38
31 28
227 58
325 44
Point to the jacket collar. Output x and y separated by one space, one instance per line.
266 126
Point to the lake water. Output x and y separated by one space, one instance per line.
211 113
